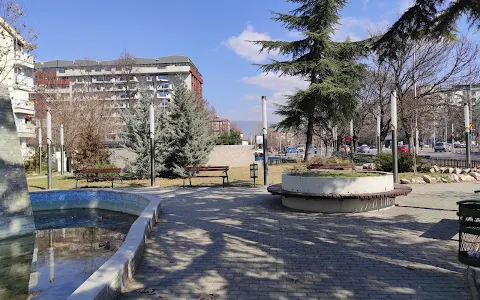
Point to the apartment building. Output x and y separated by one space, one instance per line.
116 81
16 71
458 94
219 126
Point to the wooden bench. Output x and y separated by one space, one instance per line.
331 166
93 175
193 172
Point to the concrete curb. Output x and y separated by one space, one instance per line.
109 280
472 275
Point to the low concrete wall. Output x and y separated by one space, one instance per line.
313 185
337 205
223 155
232 156
108 281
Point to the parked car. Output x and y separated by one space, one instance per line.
363 149
402 149
441 147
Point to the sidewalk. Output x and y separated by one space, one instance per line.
241 243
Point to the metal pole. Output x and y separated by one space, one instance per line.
51 257
40 149
414 133
351 140
265 142
415 143
152 145
379 125
49 146
453 139
394 135
62 171
467 133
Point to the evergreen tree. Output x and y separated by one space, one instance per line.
427 18
137 137
191 140
329 66
232 138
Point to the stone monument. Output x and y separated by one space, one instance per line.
17 229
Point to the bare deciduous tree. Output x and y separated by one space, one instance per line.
439 65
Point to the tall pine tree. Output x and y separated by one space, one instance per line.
191 140
427 19
329 66
137 136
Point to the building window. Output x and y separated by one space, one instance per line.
162 94
61 70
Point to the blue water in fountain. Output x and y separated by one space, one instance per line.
70 246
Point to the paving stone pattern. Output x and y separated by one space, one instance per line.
240 243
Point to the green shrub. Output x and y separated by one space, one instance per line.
358 158
405 162
384 162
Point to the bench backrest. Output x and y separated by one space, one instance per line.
95 171
331 166
206 168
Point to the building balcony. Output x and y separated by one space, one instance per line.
25 130
23 107
97 80
24 59
162 78
164 86
23 82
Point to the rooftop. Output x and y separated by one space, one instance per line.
79 63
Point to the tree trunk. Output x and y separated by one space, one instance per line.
308 145
408 137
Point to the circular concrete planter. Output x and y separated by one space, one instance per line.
312 185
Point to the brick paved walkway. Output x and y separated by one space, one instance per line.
240 243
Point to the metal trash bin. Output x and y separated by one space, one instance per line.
469 232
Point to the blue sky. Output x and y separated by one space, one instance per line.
211 32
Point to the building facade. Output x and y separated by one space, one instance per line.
219 126
117 82
16 72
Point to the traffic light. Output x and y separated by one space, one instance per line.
470 125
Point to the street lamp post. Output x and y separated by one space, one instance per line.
394 135
152 145
49 147
467 133
378 133
265 140
351 140
62 147
40 149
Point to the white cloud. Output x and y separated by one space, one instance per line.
358 28
275 87
275 83
249 51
